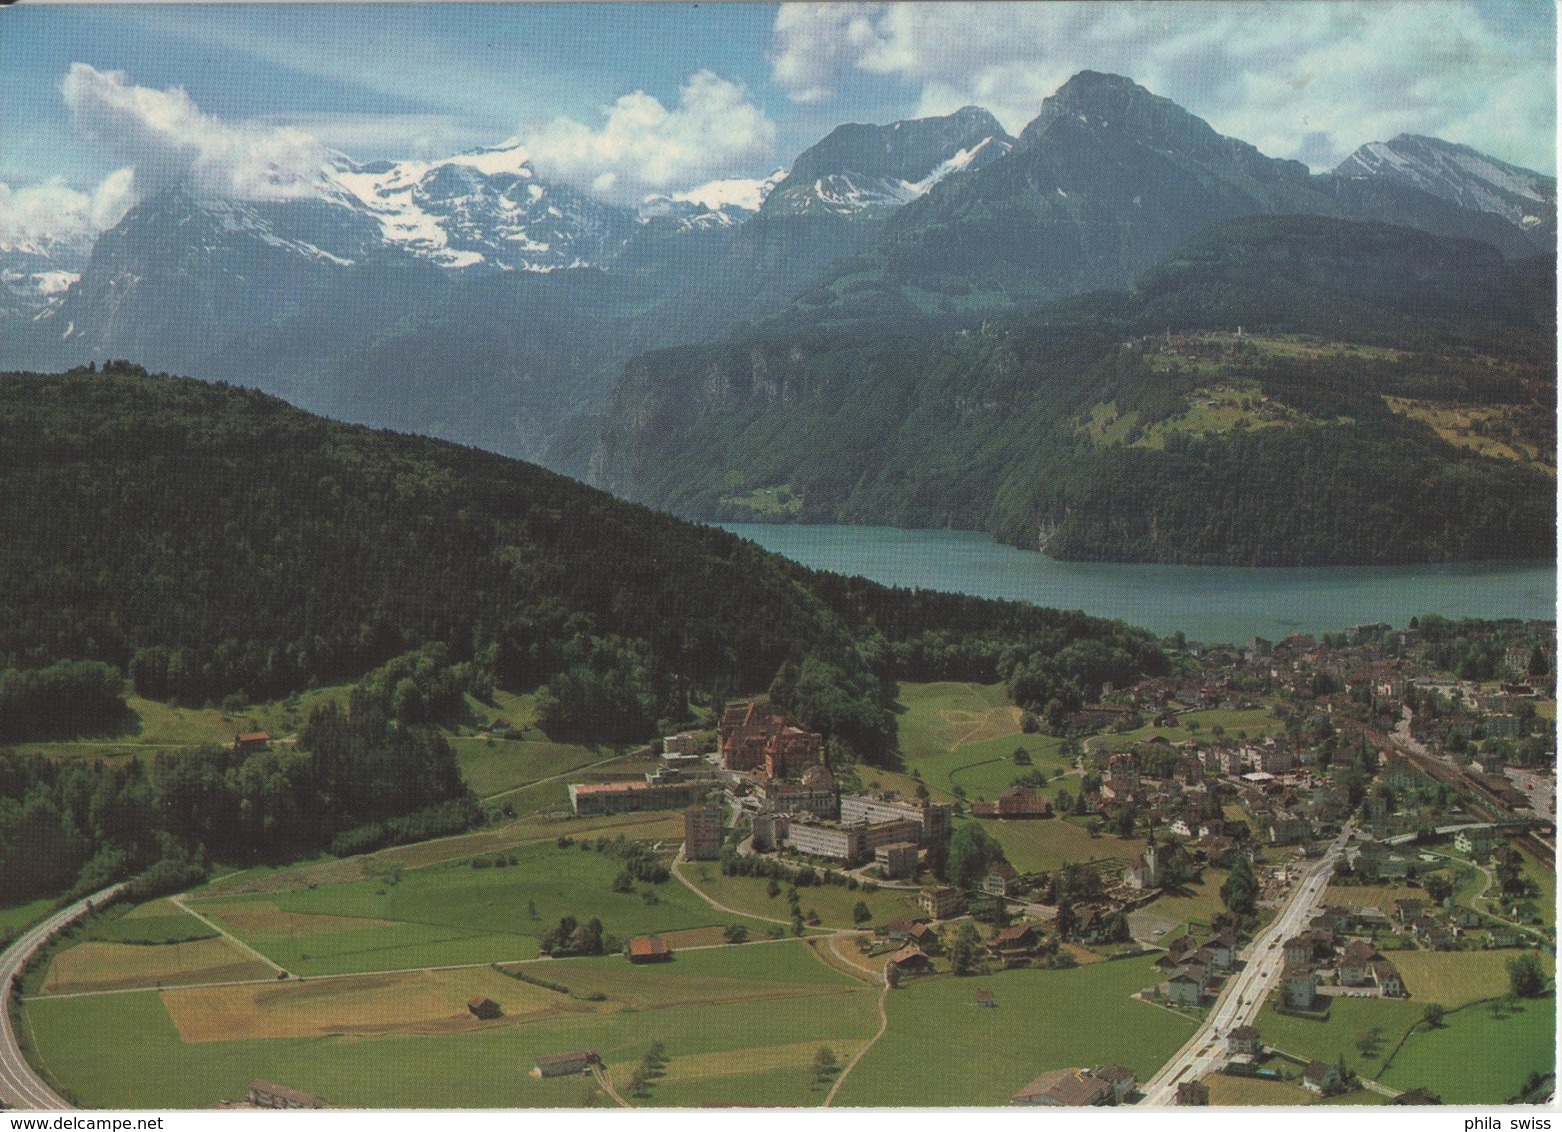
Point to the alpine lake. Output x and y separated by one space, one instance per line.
1207 603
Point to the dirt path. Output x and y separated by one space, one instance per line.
607 1086
852 1064
677 871
179 901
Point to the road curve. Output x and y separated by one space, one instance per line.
20 1086
1244 993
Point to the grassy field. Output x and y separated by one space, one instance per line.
1256 722
1481 1054
1489 430
1252 1091
97 966
1457 978
717 1052
833 903
494 766
1033 846
1200 901
452 913
943 1049
1372 895
965 735
156 726
1350 1019
156 922
17 918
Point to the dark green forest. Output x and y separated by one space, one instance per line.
204 544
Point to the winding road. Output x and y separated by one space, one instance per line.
20 1085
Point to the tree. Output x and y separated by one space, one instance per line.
1433 1015
861 914
971 853
735 933
963 953
1240 891
1438 887
826 1065
892 976
1526 977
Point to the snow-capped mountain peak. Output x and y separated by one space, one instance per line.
1462 176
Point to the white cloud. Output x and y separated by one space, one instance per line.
1311 81
52 214
643 145
168 140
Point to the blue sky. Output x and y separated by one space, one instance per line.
634 98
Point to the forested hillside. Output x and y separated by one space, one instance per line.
206 544
1348 393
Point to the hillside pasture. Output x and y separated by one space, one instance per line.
1037 845
1350 1019
454 913
99 966
1457 978
833 902
419 1002
1482 1054
83 1042
494 766
942 1049
962 734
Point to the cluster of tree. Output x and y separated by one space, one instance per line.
63 699
1239 891
652 1066
972 854
355 781
570 937
258 551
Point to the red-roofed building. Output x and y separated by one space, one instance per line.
648 949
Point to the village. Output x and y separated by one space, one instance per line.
1426 779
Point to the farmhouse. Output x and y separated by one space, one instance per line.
265 1094
564 1064
251 742
648 949
910 960
1322 1078
1244 1041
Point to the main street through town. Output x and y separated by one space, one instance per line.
1244 992
20 1086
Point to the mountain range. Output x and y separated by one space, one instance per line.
473 299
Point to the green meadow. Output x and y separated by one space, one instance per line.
453 913
1482 1054
122 1051
943 1049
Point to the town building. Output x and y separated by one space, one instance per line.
703 833
841 841
932 817
941 902
591 798
1065 1088
899 859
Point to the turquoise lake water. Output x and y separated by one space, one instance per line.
1208 603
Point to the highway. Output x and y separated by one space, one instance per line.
1245 991
20 1087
